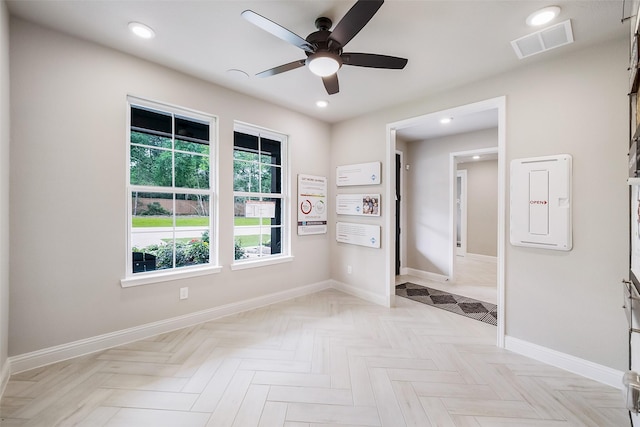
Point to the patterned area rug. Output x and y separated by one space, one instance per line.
469 307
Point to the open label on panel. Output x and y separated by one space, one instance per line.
541 202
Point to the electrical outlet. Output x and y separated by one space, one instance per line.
349 270
184 293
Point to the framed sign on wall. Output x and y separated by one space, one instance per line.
312 204
358 174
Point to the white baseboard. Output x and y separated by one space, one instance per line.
5 373
47 356
427 275
585 368
359 293
480 257
404 271
23 362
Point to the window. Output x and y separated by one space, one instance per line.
170 189
260 198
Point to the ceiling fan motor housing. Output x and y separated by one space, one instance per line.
323 23
320 38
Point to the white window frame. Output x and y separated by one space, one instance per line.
285 238
158 276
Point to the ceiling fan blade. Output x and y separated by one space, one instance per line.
355 19
373 60
331 84
282 68
277 30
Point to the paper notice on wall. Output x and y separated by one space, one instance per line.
358 174
256 209
312 204
358 234
358 204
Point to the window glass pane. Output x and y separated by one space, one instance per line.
151 231
192 210
240 218
193 147
149 139
192 171
271 211
248 156
275 241
192 229
150 166
253 231
270 179
246 176
152 120
191 129
248 241
271 151
151 209
242 140
246 229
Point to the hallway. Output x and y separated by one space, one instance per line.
476 277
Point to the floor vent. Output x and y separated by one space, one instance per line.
543 40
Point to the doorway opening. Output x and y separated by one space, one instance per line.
463 166
496 107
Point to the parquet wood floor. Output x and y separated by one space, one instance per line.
327 359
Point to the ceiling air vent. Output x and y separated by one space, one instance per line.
544 40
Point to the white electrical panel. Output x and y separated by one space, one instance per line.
541 202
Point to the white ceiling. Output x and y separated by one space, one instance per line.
448 43
429 126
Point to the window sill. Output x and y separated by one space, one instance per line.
158 277
242 265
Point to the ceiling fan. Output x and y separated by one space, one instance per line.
324 47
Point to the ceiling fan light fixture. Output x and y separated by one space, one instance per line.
324 64
543 16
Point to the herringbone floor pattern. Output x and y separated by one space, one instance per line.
321 360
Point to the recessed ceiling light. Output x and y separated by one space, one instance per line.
476 157
322 104
543 16
446 120
141 30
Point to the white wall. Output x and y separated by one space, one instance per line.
4 191
428 197
68 207
482 207
367 266
577 104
